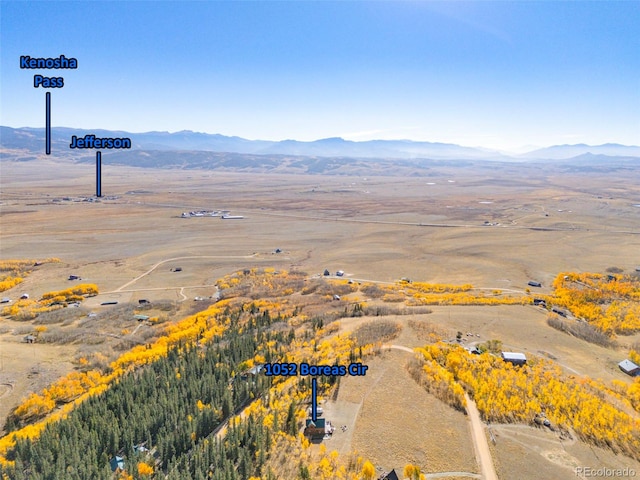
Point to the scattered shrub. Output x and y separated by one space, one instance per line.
375 331
581 329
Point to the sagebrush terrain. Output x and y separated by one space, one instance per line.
441 255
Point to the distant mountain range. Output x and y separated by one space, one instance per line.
187 149
562 152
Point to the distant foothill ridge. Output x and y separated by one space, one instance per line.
21 138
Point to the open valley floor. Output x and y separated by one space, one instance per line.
496 229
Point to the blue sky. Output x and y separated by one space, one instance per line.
494 74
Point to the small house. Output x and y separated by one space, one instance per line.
141 448
340 273
541 419
534 284
319 411
514 358
559 311
116 463
315 430
630 368
392 475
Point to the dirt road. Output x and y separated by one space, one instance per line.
477 431
179 258
480 441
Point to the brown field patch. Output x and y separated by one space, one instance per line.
392 421
379 229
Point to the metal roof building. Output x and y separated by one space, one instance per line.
514 358
630 368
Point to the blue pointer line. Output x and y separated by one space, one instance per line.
314 400
98 174
47 121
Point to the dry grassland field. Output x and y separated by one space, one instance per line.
496 228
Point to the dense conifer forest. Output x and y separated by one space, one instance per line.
164 415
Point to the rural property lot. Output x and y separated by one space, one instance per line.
491 228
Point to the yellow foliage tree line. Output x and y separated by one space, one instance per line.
504 393
71 294
420 293
321 465
12 272
609 302
436 287
77 386
463 298
27 309
200 327
10 282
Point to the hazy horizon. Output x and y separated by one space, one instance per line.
506 76
514 151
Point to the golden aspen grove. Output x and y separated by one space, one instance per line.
609 302
27 309
12 272
249 423
309 240
231 318
507 393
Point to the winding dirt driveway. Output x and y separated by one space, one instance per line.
480 441
174 259
477 434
